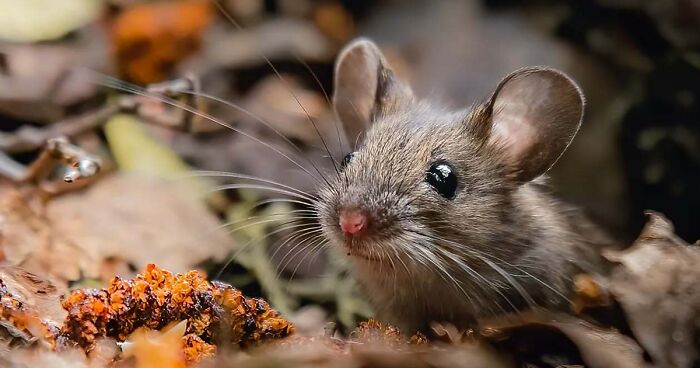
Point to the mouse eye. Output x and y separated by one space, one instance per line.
442 178
347 159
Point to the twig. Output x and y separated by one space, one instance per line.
30 138
83 167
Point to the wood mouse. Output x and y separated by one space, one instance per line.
445 215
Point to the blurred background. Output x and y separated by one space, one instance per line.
77 68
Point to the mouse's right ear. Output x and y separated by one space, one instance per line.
364 87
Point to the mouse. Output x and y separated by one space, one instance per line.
446 215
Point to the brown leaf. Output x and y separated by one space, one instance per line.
36 292
598 347
40 91
656 283
140 220
28 240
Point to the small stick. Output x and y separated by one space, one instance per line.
28 138
83 167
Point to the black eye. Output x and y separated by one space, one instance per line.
347 159
442 178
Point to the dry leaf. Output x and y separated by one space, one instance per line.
39 91
656 282
597 347
156 349
29 240
140 220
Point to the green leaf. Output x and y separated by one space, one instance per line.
135 150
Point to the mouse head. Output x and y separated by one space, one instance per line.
421 173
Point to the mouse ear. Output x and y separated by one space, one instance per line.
365 87
535 113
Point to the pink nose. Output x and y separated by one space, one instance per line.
352 222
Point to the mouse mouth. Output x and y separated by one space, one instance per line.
364 249
363 254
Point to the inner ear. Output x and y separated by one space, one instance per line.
535 114
365 86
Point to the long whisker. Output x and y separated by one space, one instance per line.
483 257
519 268
265 221
325 95
236 254
294 236
283 200
224 102
280 214
444 273
262 187
289 88
303 244
193 111
317 241
255 117
224 174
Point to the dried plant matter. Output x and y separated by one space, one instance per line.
157 298
182 319
21 321
131 310
656 283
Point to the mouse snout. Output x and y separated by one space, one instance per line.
353 222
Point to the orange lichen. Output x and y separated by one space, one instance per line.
196 349
157 298
371 331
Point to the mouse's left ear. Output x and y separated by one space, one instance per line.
535 113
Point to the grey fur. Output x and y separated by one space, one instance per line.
501 245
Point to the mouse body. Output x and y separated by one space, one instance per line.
445 215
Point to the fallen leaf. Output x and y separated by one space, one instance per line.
139 219
32 89
598 347
36 292
656 283
156 349
41 20
29 241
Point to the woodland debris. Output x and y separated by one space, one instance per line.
373 331
656 283
157 298
21 320
29 138
550 338
109 221
32 89
41 20
79 166
150 39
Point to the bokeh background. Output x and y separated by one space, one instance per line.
637 61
